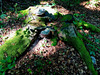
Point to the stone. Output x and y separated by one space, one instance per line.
93 60
40 11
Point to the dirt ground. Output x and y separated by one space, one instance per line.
65 60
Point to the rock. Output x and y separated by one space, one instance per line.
45 33
81 71
93 60
40 11
68 18
72 49
67 30
85 67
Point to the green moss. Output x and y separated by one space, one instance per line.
54 40
27 20
91 27
87 25
79 45
24 12
57 15
43 19
66 17
83 38
15 46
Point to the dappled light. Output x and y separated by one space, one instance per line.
49 37
91 5
44 47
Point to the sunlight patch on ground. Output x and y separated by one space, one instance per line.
44 47
91 5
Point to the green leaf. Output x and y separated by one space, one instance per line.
75 22
80 27
49 62
3 16
20 16
76 14
29 70
55 28
3 73
15 5
1 21
91 52
53 4
9 61
8 58
1 67
3 61
9 65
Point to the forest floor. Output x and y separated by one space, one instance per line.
66 60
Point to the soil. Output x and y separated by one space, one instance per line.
65 60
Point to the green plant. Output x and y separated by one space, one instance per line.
29 70
54 40
15 6
6 64
2 16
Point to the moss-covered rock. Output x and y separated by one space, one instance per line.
49 15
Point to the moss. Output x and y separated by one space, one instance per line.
83 38
79 45
57 15
43 19
67 17
24 12
91 27
15 46
87 25
27 20
54 40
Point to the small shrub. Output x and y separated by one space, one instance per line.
6 64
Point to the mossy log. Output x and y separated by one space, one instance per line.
15 45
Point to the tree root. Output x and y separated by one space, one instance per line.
74 38
79 46
87 25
